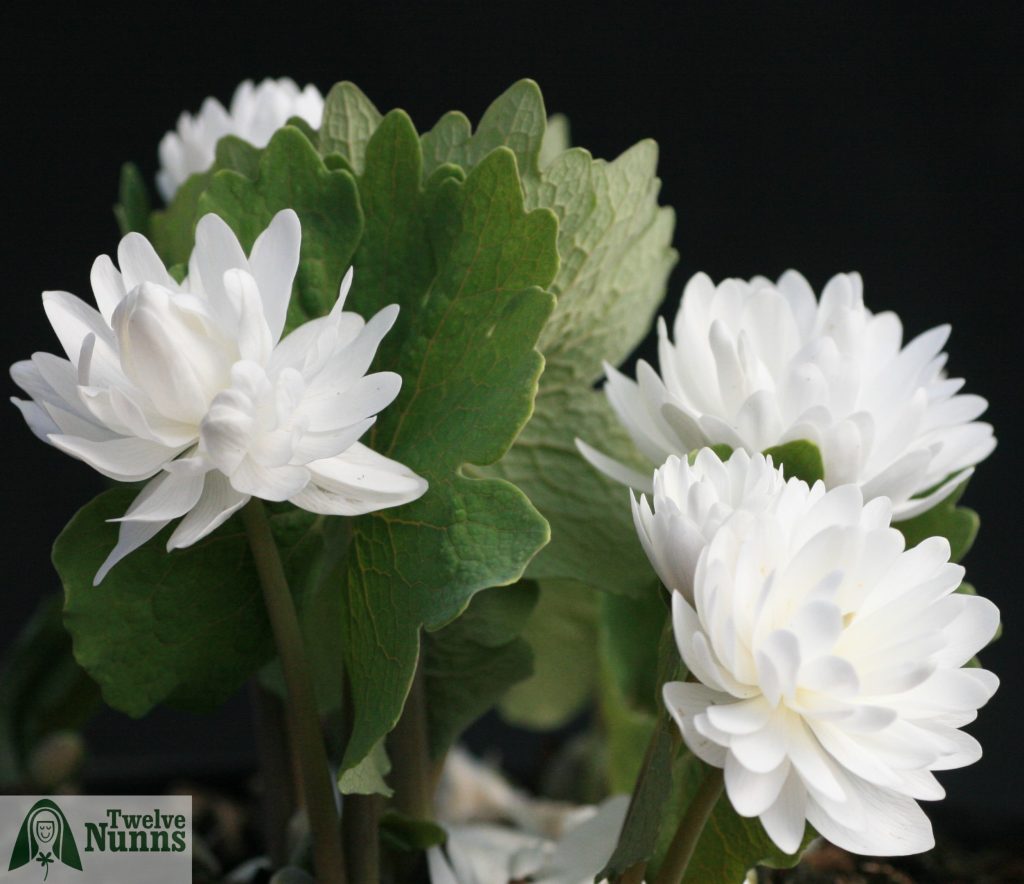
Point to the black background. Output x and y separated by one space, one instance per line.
828 137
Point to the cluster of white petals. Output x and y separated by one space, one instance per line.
190 385
830 659
255 114
692 501
492 854
757 364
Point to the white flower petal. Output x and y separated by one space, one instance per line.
39 422
73 320
329 409
139 263
684 700
614 469
166 497
131 536
274 260
218 502
107 286
216 252
269 483
784 820
752 793
127 460
358 481
895 825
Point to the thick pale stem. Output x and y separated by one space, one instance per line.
303 721
410 754
673 869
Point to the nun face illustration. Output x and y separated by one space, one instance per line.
45 827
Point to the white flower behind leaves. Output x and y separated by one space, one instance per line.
190 386
492 854
692 501
757 364
831 669
256 112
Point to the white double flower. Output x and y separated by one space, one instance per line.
757 364
190 385
830 660
256 112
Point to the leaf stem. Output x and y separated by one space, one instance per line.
411 775
277 766
305 734
360 821
673 869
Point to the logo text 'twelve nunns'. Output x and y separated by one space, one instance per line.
45 837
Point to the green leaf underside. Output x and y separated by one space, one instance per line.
472 661
959 525
467 264
186 628
349 119
368 777
291 175
562 631
614 246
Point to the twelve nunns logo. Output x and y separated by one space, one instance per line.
47 838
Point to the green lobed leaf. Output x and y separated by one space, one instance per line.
186 628
473 660
957 524
515 120
562 631
800 458
614 245
291 174
467 264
